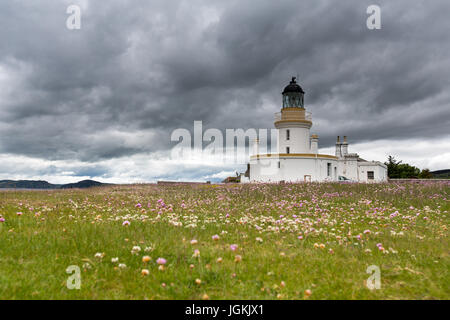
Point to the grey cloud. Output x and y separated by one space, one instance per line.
152 66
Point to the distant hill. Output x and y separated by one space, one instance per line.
441 174
27 184
83 184
32 184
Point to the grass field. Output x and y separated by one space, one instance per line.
291 241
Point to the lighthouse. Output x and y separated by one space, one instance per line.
293 122
298 158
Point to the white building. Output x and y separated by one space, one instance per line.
298 158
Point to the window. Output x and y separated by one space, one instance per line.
288 150
288 135
370 175
329 169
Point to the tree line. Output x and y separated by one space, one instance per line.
399 170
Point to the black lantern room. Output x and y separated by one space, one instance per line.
293 95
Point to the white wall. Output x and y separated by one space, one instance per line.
299 141
348 167
292 169
379 170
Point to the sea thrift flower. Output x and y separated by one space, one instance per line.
19 213
2 219
308 292
260 240
135 250
145 272
300 237
122 265
219 260
205 297
193 241
198 281
161 268
161 261
86 266
146 259
237 258
215 237
126 223
233 247
138 205
148 249
99 255
196 253
115 260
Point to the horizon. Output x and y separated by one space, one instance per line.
100 100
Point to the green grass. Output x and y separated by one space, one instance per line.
68 227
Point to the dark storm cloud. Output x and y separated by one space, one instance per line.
139 69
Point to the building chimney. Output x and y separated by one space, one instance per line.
345 147
314 143
338 147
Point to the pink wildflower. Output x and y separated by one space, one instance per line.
161 261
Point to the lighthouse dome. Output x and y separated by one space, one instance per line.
293 95
293 87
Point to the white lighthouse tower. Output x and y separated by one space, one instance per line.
298 158
293 122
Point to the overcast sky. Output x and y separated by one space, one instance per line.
101 102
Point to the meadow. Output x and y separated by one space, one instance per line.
260 241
